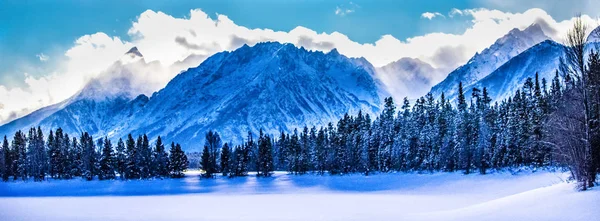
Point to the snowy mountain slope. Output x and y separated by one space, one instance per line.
542 58
484 63
93 108
408 77
594 36
270 85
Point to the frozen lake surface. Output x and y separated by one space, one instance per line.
538 195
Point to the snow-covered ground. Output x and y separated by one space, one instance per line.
440 196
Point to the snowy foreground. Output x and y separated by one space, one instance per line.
439 196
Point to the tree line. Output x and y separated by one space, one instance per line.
60 157
430 135
538 126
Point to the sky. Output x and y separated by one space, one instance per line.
50 49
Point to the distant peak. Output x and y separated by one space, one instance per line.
334 52
134 52
131 56
594 35
534 28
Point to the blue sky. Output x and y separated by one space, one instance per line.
43 43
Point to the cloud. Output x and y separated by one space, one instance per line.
169 41
431 15
42 57
454 12
344 10
341 12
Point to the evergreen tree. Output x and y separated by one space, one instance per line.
53 154
265 155
88 157
132 170
160 159
107 161
76 155
5 160
178 161
19 157
226 160
144 159
121 159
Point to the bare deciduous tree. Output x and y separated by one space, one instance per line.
574 124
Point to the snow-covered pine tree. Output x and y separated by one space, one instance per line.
88 157
132 170
19 156
4 157
265 155
35 154
160 159
226 160
5 160
178 162
76 155
107 161
67 157
281 152
145 157
121 159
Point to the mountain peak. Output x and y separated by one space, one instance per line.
132 56
134 52
491 58
534 29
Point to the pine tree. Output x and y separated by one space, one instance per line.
107 161
132 170
53 155
321 152
160 159
177 161
76 155
67 158
19 156
144 159
226 160
265 155
121 159
36 155
88 157
5 160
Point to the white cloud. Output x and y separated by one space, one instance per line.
42 57
344 10
431 15
453 12
168 40
341 12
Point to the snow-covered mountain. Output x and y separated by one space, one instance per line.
92 109
542 58
490 59
408 77
270 85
